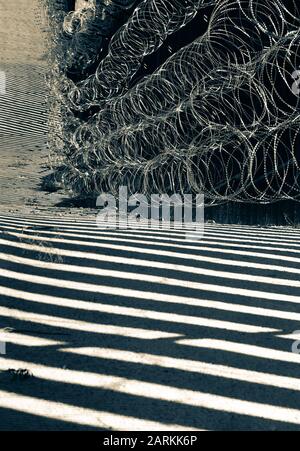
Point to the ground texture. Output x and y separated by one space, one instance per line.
133 329
143 330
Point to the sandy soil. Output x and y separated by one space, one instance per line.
21 34
23 114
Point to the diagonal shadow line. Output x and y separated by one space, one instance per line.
167 346
160 315
43 250
172 377
132 237
146 283
144 407
250 232
179 245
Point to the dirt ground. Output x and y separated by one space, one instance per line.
24 156
130 329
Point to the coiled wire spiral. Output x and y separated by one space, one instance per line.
220 116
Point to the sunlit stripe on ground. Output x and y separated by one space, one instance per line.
166 393
157 297
132 237
176 232
76 325
295 336
81 416
248 238
168 266
194 366
136 313
26 340
288 232
90 228
242 348
161 316
238 231
109 242
158 281
83 286
75 219
168 234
